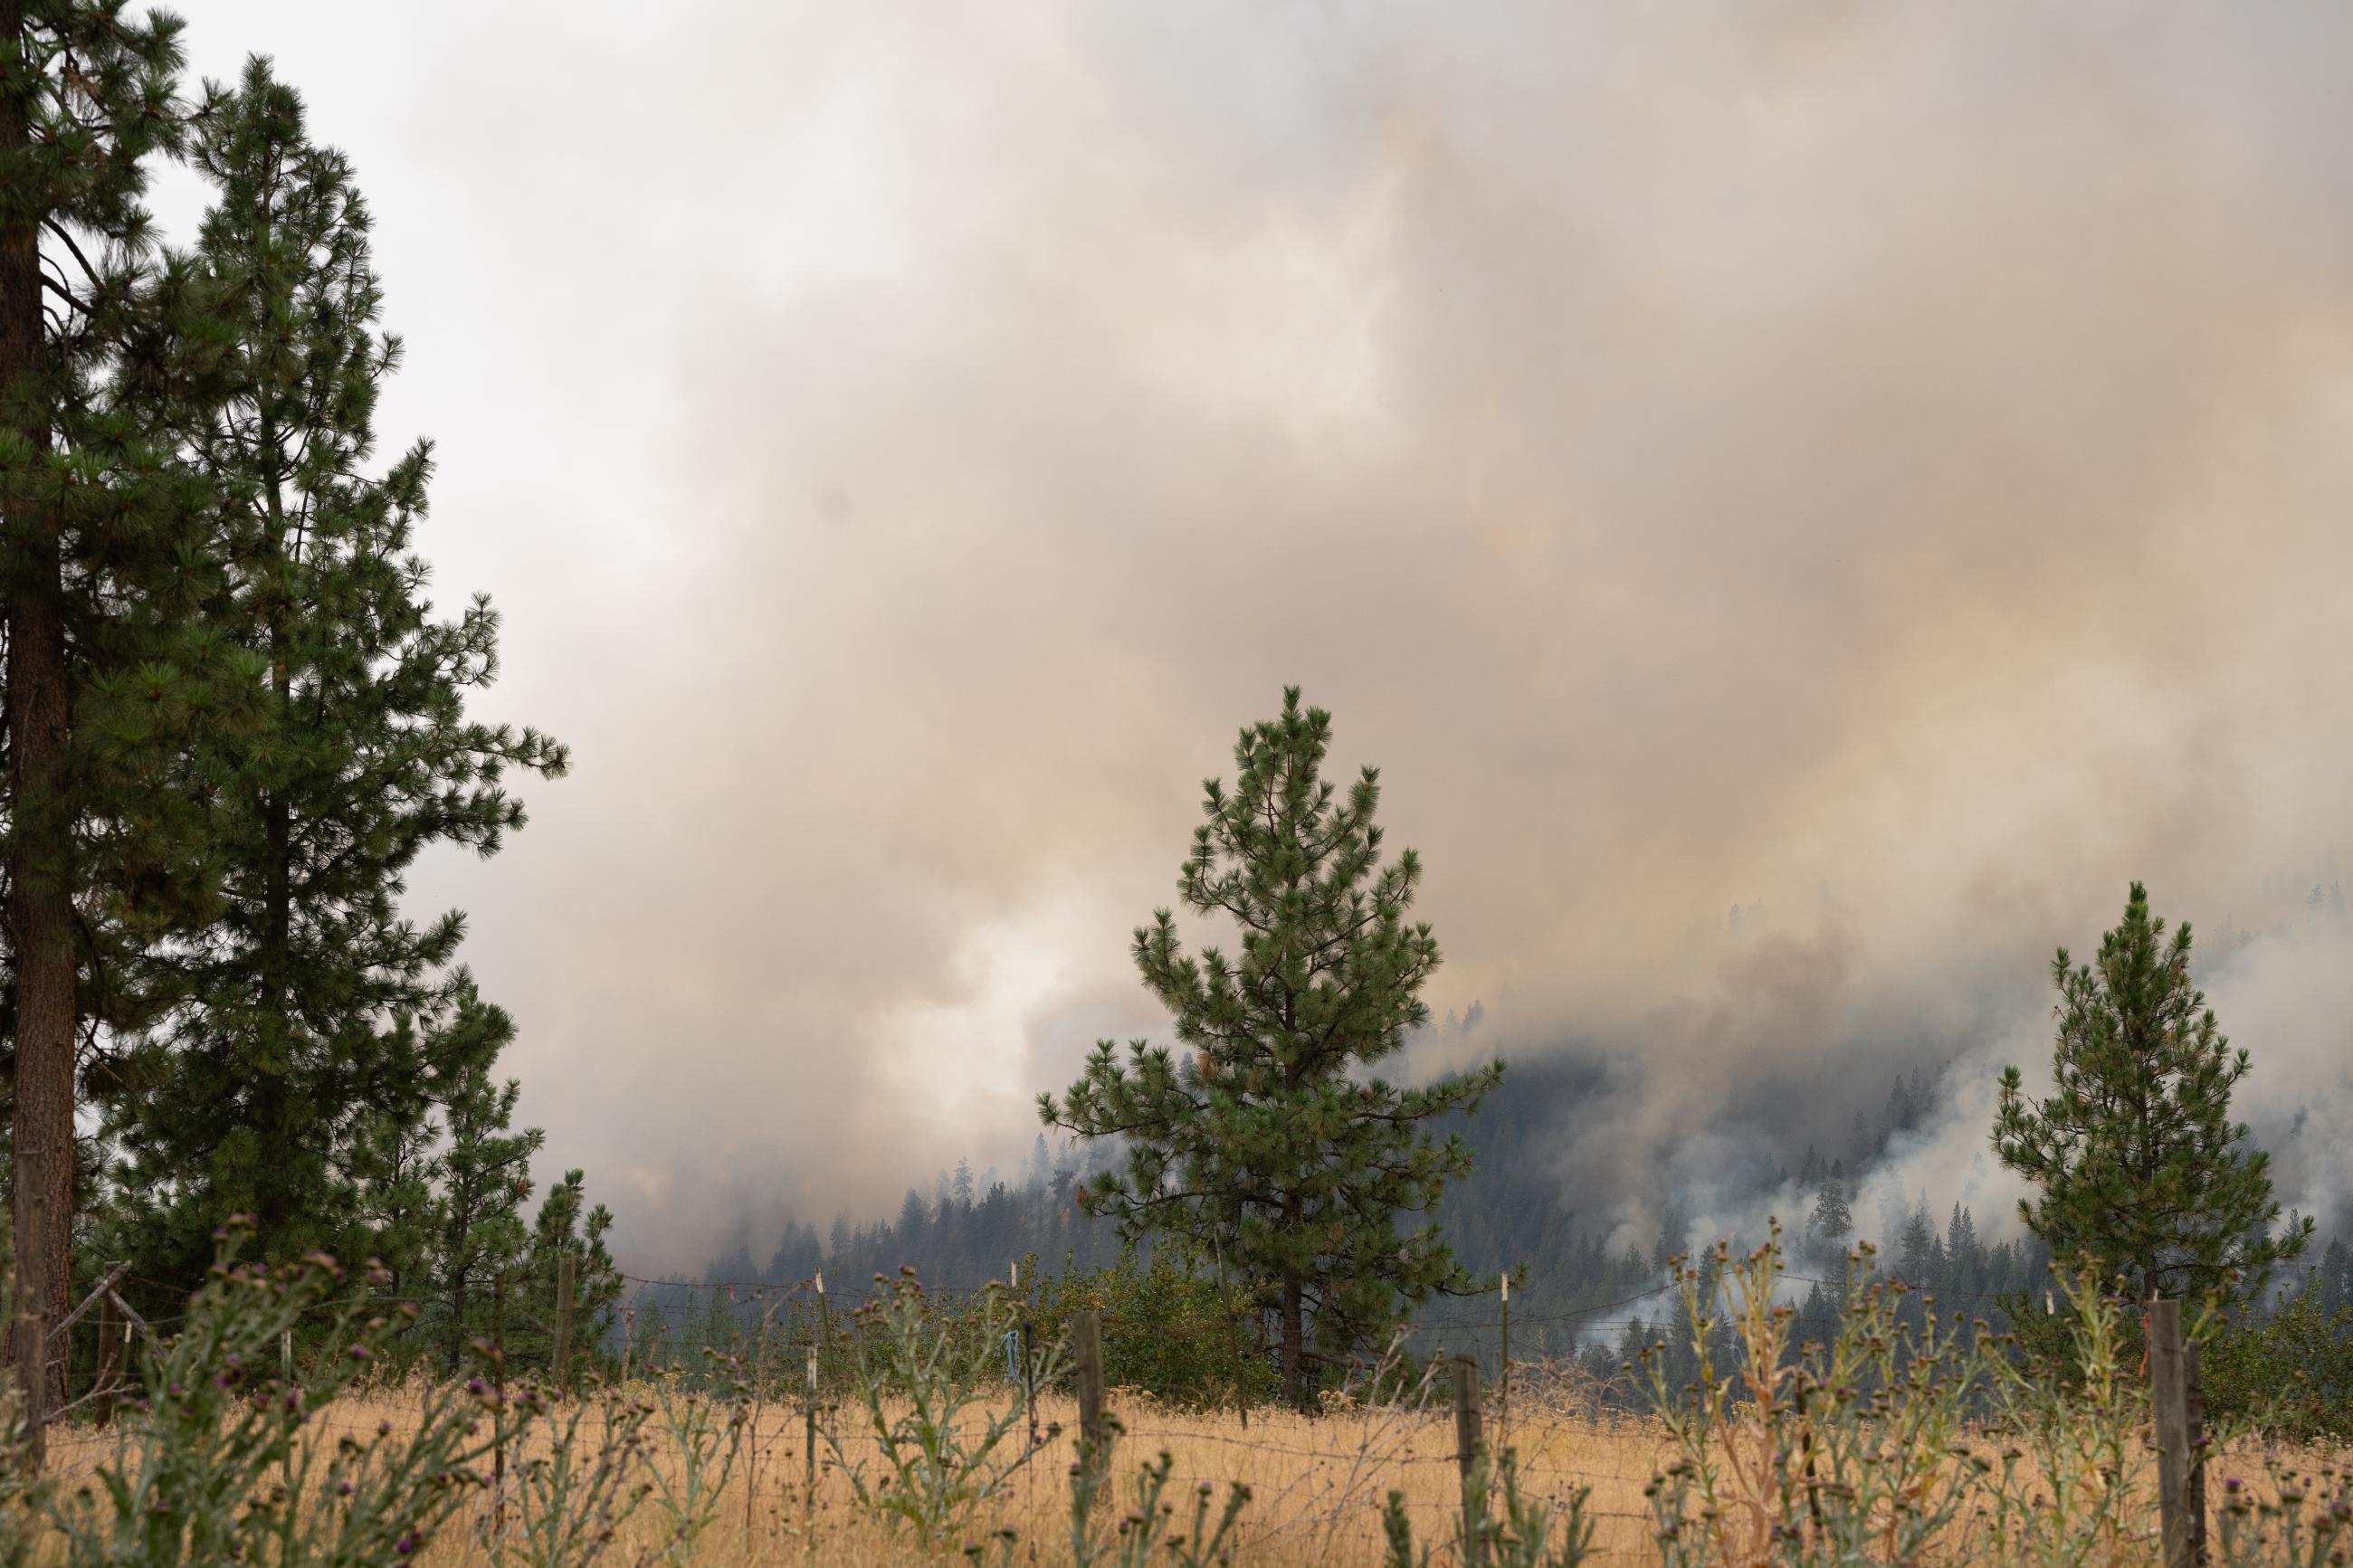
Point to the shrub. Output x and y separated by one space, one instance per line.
1170 1328
2287 1374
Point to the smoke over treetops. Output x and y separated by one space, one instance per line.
1883 469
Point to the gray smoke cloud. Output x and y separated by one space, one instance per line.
1879 467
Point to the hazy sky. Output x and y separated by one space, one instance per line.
1888 464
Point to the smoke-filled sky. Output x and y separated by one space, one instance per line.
1883 467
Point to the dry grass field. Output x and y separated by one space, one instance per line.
1317 1486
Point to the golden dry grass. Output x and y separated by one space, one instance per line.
1318 1484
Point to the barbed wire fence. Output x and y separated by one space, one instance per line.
786 1355
1383 1421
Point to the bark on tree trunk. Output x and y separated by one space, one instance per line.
40 934
274 1205
40 913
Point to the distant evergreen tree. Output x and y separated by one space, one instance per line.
1633 1341
569 1227
1832 1220
1900 1109
1673 1240
1963 1256
716 1329
1860 1144
398 1209
914 1219
1269 1142
2334 1279
2138 1162
1920 1251
313 1025
650 1333
480 1234
1817 1317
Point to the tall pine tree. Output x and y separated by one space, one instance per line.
1270 1145
109 582
2138 1162
314 1025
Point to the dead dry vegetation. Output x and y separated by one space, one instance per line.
1914 1437
1318 1487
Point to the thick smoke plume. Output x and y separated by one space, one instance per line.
1880 468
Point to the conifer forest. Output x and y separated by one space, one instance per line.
1232 784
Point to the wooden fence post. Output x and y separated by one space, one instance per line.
809 1482
104 1387
498 1387
2169 1390
2194 1410
1091 1389
562 1379
1503 1391
759 1396
1028 1368
1470 1454
824 1321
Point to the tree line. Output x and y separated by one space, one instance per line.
233 721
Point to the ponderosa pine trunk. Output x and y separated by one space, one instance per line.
1294 1346
40 913
276 1206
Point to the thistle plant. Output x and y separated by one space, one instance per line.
1522 1538
1837 1455
571 1500
1145 1533
706 1441
1909 1437
2308 1522
220 1460
1396 1531
2065 1484
922 1385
